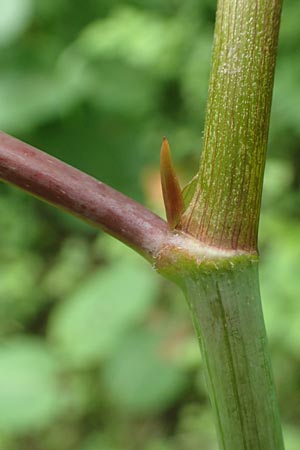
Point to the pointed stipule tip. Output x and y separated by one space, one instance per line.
165 147
170 186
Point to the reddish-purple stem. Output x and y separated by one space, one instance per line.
81 195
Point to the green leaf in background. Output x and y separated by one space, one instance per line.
142 376
159 444
157 45
88 325
280 286
97 442
19 299
195 424
14 18
54 93
29 395
291 437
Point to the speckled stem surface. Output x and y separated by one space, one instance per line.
224 211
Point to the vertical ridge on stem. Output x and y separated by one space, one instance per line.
226 310
224 210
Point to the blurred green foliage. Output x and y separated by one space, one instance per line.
97 352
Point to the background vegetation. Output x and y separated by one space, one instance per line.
96 351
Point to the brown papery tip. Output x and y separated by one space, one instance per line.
171 190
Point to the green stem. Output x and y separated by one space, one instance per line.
227 314
223 214
224 211
222 289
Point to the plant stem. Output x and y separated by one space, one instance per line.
225 209
223 214
227 314
214 258
222 290
81 195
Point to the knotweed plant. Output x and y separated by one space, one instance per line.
208 246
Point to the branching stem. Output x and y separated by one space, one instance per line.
212 254
81 195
